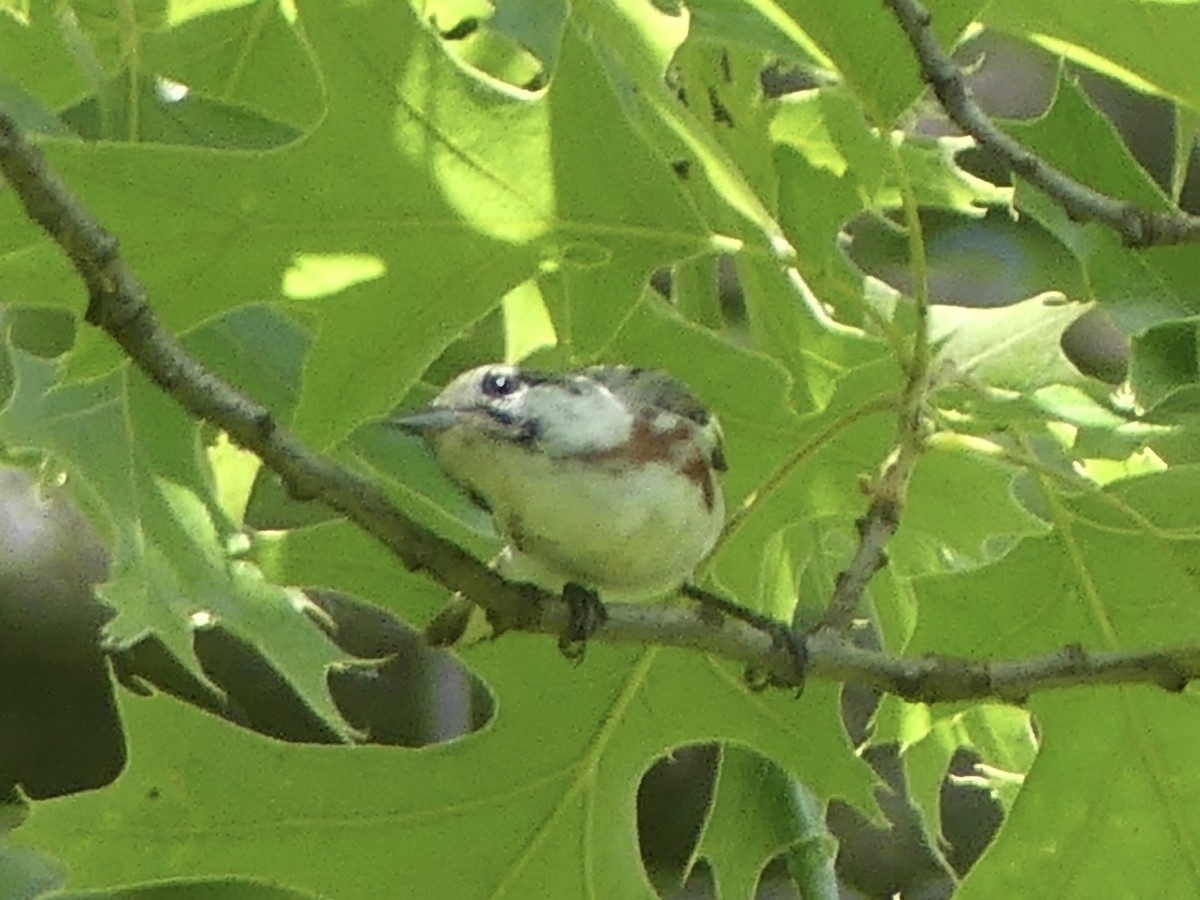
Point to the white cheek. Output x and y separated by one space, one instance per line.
589 422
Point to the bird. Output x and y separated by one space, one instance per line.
605 479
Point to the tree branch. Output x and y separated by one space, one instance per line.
1138 227
889 492
117 304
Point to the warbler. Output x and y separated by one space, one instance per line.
605 481
607 478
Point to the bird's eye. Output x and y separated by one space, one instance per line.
500 384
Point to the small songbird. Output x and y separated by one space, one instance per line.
607 478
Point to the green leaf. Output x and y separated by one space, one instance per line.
532 802
167 112
864 42
1075 136
336 555
758 813
450 219
1137 288
929 737
825 148
945 526
1109 756
1017 347
1082 580
1164 371
788 323
536 24
636 41
133 458
1138 42
761 24
620 211
1071 829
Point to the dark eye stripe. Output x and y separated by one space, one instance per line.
525 433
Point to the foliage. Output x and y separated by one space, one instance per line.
356 199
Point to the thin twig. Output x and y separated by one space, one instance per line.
889 492
1138 227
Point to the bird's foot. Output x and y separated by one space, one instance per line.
587 614
783 637
793 643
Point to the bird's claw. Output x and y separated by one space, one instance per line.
714 606
587 614
793 642
782 638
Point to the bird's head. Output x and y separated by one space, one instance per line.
595 411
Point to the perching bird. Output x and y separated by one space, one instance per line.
607 478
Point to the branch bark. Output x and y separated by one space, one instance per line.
118 305
1138 227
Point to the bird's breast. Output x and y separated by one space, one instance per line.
630 529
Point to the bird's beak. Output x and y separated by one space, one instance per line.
425 421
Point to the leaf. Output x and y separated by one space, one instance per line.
1164 371
535 24
787 324
534 799
825 147
761 24
456 188
1071 829
636 42
929 737
861 38
1135 42
1109 756
1136 288
961 512
133 458
758 813
1016 347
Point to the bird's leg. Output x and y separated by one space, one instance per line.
587 614
782 636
